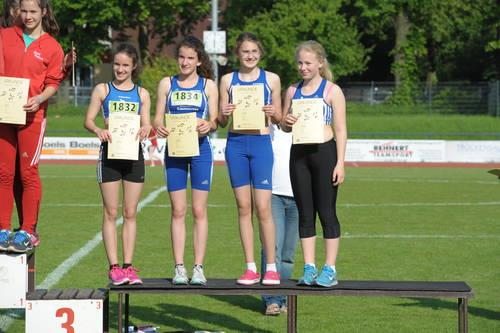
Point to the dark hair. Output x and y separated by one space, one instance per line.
131 51
205 69
7 20
49 23
248 37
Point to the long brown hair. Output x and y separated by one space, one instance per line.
131 51
7 19
318 49
205 69
49 23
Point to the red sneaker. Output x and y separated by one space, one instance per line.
132 275
248 278
271 278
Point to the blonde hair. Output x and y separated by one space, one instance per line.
318 49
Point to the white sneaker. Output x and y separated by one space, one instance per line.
198 277
180 275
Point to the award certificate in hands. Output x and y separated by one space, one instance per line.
183 138
249 101
309 125
13 95
123 127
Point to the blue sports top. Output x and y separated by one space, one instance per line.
260 80
319 93
121 100
185 100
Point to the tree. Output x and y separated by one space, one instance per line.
87 23
290 22
159 21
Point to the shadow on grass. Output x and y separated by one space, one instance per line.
250 303
437 304
179 316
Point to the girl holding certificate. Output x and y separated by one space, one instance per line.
29 52
317 169
121 96
191 91
249 153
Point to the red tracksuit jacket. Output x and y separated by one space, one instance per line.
41 62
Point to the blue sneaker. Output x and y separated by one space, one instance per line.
4 239
310 274
327 278
21 242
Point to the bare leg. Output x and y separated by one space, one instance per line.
308 248
266 224
131 195
243 196
331 249
178 226
200 232
110 198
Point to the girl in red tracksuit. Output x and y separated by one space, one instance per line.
29 51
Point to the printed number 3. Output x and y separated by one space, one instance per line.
70 318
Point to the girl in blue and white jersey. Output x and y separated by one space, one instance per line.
317 170
249 157
191 90
120 95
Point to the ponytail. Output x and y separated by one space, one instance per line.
318 49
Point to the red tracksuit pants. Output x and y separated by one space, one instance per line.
26 141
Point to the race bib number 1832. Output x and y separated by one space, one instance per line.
121 106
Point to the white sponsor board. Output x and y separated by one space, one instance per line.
395 151
473 151
429 151
62 316
13 281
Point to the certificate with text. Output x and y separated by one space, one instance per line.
309 125
183 138
249 101
13 95
124 127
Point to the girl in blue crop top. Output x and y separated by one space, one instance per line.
249 157
120 95
191 90
317 170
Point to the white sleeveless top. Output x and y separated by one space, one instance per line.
282 142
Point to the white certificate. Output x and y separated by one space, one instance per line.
309 125
249 101
183 138
13 95
124 127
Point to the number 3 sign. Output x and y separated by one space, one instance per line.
64 316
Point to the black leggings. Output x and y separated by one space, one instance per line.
311 170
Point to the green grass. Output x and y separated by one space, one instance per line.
397 224
68 121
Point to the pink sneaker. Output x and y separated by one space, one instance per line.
118 276
271 278
248 278
132 276
35 239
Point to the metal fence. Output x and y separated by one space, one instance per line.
443 97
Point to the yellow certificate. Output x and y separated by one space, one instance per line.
249 101
13 95
183 138
123 127
309 125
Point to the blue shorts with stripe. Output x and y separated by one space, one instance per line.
199 168
249 159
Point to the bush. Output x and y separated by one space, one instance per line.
155 70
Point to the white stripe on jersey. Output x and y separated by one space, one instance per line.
36 156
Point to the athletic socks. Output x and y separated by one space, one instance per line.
251 266
271 267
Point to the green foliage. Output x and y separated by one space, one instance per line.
290 22
154 70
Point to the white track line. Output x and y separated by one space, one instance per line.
421 180
57 274
401 236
